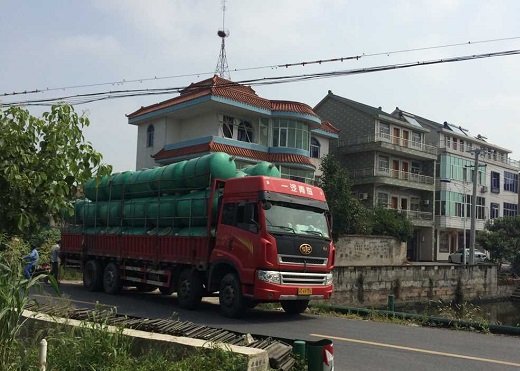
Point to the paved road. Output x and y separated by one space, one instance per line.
358 344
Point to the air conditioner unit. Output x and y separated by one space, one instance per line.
483 189
363 196
426 202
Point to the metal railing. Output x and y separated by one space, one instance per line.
418 215
391 173
487 156
386 138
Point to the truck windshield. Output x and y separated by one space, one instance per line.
291 218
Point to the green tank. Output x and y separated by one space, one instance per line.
263 168
135 211
139 231
118 183
195 232
79 210
99 193
240 174
93 230
138 184
169 179
90 214
198 172
109 212
192 209
162 211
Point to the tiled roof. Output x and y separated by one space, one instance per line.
327 126
234 151
218 86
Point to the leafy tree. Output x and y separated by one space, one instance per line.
350 217
42 160
501 237
389 222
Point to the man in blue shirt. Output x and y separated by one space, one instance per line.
31 259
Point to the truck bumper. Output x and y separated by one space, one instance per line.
273 292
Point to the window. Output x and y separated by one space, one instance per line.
454 143
315 148
510 182
494 211
416 139
263 132
495 182
293 134
382 199
242 215
415 204
384 164
447 140
301 175
227 126
245 132
510 209
384 130
481 208
150 131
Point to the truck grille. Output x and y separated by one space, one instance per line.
300 260
293 278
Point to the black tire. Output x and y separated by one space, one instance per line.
189 289
232 303
145 287
93 275
250 303
294 306
111 281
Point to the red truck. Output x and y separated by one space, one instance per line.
264 239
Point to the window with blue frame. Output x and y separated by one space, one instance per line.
510 182
510 209
290 133
494 211
495 182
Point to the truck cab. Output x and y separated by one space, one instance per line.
273 243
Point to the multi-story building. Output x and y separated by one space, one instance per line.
218 115
497 182
389 163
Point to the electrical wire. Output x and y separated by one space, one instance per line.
276 66
92 97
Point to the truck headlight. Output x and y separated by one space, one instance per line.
269 276
328 279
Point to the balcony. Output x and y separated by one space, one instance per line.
389 144
392 177
489 156
419 218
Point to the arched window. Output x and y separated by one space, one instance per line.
315 148
150 135
245 132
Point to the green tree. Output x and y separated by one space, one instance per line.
389 222
42 160
501 237
350 217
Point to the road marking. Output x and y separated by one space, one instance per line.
418 350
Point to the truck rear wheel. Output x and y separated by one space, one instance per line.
189 289
294 306
93 275
232 302
111 280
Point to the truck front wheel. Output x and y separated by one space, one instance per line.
93 275
111 280
232 303
294 306
189 289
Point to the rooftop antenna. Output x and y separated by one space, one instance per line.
222 66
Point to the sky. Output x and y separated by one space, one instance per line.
59 45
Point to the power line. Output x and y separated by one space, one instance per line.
276 66
92 97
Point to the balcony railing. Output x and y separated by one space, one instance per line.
487 156
390 173
386 138
418 215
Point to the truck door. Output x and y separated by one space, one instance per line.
238 236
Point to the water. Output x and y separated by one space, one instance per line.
505 312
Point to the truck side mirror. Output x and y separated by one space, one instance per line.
266 205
